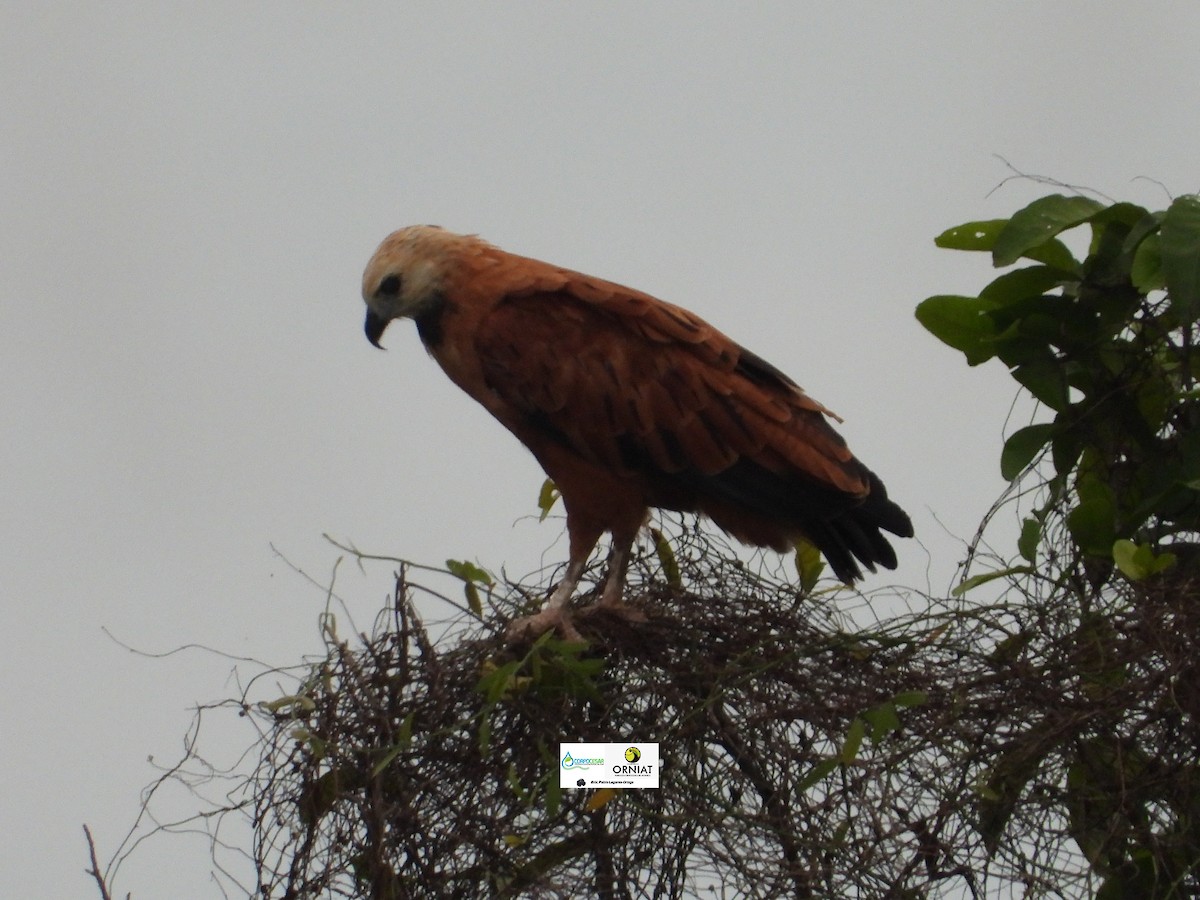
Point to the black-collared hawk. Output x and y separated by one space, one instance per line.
628 403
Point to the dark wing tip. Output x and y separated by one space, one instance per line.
857 535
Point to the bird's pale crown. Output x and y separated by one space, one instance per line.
408 272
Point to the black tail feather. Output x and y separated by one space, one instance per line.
856 536
846 529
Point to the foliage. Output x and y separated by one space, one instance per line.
1106 345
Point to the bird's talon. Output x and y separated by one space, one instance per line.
619 609
534 626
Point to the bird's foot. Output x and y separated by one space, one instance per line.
556 618
618 609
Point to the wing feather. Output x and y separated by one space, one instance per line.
651 391
619 369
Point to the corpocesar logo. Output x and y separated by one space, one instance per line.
577 762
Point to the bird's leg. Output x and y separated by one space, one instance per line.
618 562
566 588
555 613
611 598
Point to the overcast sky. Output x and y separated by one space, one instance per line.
189 193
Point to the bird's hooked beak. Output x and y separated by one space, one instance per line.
374 328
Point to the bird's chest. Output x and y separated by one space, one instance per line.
456 352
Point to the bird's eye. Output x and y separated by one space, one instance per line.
390 286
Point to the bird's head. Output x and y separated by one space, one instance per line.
407 275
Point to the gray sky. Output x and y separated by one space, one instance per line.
188 195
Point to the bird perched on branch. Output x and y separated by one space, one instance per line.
628 403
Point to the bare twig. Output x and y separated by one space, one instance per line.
94 871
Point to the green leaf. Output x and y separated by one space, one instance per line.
1098 796
471 592
666 558
485 734
1109 252
1017 763
514 784
1022 447
1138 877
976 580
1146 269
546 498
471 575
818 772
1128 215
1065 450
1031 535
982 236
1093 525
469 572
962 323
395 751
1045 380
1022 284
1038 222
319 796
1155 399
496 680
809 564
1180 249
971 236
838 838
883 720
1054 253
911 698
294 706
403 739
1149 224
404 736
854 739
1138 561
1125 556
553 795
1009 650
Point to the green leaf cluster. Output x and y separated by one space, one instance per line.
473 577
1110 799
551 669
1106 345
873 724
